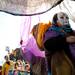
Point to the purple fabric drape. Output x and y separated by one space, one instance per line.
31 50
29 45
27 25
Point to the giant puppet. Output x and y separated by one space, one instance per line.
59 43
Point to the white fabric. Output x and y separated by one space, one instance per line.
26 6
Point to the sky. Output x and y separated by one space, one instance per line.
9 32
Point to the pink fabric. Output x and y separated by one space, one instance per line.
29 43
33 48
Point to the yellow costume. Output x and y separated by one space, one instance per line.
5 68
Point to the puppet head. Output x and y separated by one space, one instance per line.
60 19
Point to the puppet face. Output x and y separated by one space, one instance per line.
62 19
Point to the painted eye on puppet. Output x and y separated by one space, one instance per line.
67 17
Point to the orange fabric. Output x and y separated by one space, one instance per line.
38 32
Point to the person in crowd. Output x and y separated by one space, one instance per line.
56 44
16 72
6 66
27 67
0 70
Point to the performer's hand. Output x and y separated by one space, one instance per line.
70 39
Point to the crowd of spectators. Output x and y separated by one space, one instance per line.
14 66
